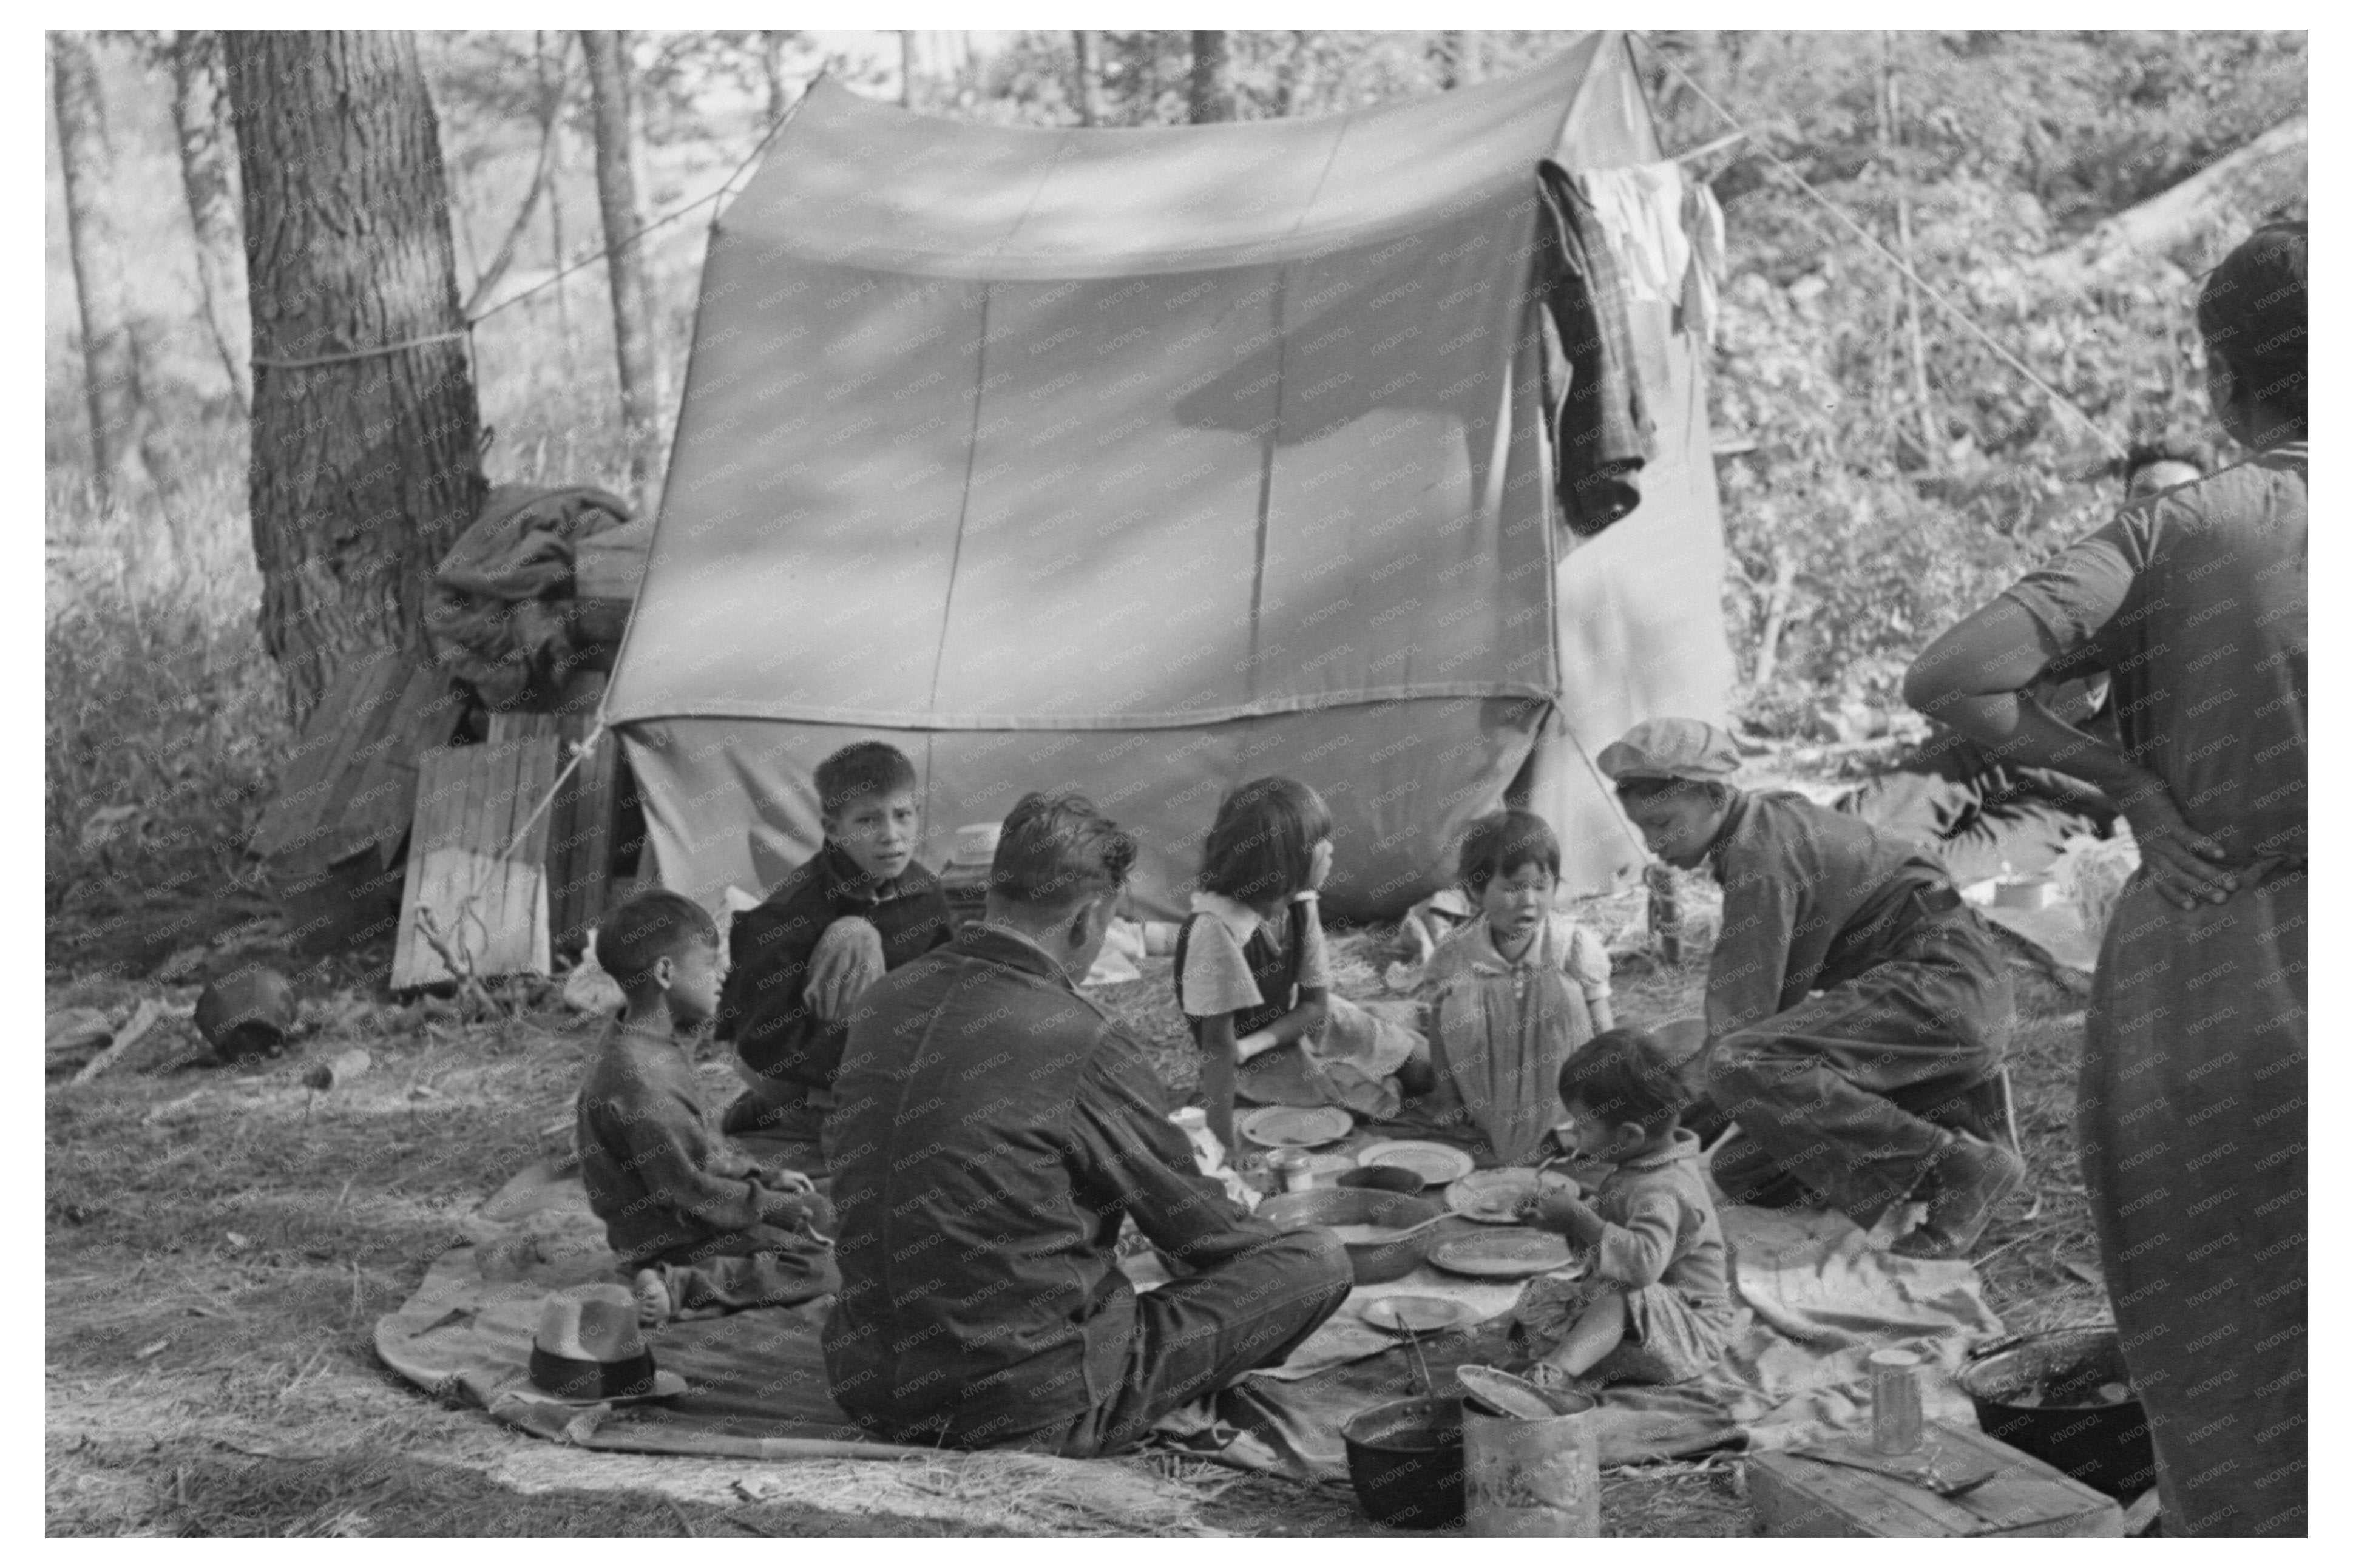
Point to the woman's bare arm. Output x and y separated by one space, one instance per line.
1974 679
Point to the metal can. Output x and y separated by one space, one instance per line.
1894 1401
1293 1167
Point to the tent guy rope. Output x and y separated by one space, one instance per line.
365 353
724 186
586 747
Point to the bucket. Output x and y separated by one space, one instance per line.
2065 1423
1533 1478
245 1014
1405 1460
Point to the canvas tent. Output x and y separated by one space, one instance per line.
1145 461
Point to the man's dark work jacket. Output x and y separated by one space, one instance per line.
777 1032
1812 898
992 1126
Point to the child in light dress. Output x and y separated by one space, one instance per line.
1512 993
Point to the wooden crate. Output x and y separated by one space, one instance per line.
580 823
350 784
1793 1496
471 800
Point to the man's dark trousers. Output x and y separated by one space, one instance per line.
1198 1334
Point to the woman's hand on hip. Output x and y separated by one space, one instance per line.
2186 867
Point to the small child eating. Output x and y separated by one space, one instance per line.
700 1224
1654 1303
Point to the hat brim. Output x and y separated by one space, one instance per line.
1680 775
667 1385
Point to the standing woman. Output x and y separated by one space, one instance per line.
2191 1112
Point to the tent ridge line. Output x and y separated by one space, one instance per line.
1036 723
1019 265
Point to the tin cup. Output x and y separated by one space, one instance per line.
1294 1168
1894 1401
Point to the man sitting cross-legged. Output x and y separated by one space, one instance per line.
993 1128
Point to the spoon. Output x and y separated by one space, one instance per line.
1383 1237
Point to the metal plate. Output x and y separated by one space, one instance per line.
1435 1163
1493 1197
1418 1314
1315 1167
1503 1253
1295 1127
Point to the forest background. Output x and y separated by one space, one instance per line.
1883 467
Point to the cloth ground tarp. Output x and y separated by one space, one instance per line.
1820 1301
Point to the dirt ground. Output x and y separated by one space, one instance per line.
220 1242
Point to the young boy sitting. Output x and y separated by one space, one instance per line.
832 927
1653 1304
698 1223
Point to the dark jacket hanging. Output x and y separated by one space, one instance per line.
1601 434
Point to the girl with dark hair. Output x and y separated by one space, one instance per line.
2191 1110
1253 978
1514 992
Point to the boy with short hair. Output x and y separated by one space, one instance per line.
700 1224
860 907
1655 1305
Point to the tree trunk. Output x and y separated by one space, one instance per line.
1890 136
772 67
1458 58
1082 56
365 469
110 368
197 104
551 110
906 68
625 265
1212 94
1287 74
555 253
1932 441
1777 616
2237 187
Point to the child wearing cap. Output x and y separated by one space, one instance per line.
698 1225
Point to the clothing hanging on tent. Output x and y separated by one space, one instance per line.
1668 233
1641 209
1601 432
1704 226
